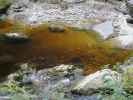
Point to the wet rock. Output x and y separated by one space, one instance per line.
124 42
56 28
15 38
91 83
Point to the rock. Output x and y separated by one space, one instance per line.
105 29
126 69
64 5
56 28
121 7
127 77
93 82
61 70
130 6
63 67
15 38
121 26
4 6
74 1
124 42
54 1
122 36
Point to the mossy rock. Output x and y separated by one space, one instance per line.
4 3
128 79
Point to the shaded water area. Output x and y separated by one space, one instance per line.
47 49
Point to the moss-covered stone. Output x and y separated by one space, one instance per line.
4 3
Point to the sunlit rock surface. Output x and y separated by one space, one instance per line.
105 29
122 33
35 13
93 82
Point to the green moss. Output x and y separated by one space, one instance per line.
128 79
4 3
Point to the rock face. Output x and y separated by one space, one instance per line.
96 81
15 38
130 6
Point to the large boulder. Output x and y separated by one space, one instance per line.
117 31
122 36
98 80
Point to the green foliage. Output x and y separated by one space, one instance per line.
118 91
4 3
15 92
14 88
128 79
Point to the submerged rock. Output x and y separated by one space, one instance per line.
125 42
56 28
15 37
93 82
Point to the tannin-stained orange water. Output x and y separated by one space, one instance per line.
47 48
